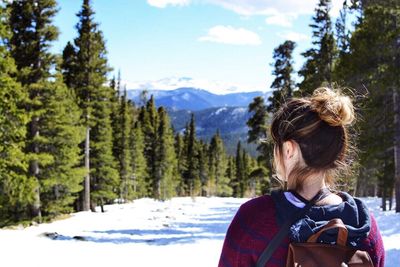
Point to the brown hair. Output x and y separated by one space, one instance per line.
318 124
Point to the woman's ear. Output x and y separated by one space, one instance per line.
289 149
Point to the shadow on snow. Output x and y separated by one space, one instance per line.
206 227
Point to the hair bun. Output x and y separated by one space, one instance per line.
332 107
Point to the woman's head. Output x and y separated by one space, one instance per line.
310 137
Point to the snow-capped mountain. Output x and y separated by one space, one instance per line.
196 99
171 83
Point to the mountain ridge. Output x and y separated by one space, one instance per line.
195 99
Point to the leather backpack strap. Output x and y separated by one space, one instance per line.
334 223
275 242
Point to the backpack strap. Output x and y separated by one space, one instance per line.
275 242
334 223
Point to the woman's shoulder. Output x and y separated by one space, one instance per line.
251 229
258 204
258 209
256 219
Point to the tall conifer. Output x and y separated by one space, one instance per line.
192 172
283 85
319 64
165 180
218 183
138 162
94 97
61 180
52 109
238 189
15 186
125 157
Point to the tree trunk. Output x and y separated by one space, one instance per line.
34 169
396 147
86 197
384 198
93 206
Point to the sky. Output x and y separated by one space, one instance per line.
224 45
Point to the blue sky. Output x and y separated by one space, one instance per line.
230 42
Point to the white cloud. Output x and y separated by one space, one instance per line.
171 83
231 35
263 7
294 36
282 12
165 3
273 7
283 20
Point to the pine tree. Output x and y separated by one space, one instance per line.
61 180
203 167
283 85
181 162
246 169
342 33
103 168
192 173
258 127
218 182
238 190
257 133
122 120
232 176
15 186
165 181
139 164
259 181
69 65
33 33
149 121
318 68
124 155
94 98
117 121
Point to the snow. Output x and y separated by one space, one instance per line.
239 112
178 232
389 226
218 111
186 96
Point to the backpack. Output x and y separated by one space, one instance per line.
313 253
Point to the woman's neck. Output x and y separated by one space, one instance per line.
310 189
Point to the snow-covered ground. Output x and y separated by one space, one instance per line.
178 232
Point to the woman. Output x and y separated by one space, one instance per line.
311 147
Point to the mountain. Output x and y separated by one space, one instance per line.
195 99
227 113
173 82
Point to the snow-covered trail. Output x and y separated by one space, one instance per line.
178 232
